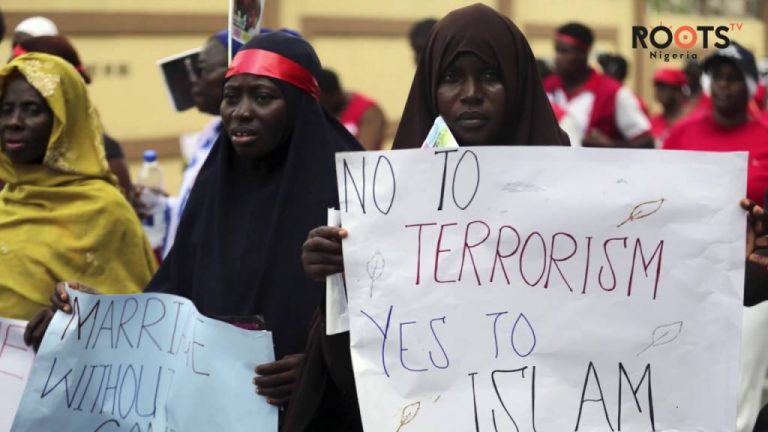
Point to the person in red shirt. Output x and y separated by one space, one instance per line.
760 97
358 113
607 114
617 67
728 125
671 89
730 79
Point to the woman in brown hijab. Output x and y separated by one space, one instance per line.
477 72
478 37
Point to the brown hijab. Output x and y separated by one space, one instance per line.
492 37
325 398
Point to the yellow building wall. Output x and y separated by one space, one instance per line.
186 6
291 11
135 106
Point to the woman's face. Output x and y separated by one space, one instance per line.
254 113
26 122
472 100
730 95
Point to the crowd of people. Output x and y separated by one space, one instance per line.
247 235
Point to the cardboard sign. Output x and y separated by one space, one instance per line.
15 363
147 362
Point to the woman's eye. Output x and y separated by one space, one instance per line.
229 97
6 109
451 76
491 75
263 98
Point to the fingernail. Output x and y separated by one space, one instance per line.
65 308
254 381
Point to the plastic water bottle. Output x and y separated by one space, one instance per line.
156 223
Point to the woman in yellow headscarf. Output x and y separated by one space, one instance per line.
62 218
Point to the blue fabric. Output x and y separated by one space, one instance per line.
222 37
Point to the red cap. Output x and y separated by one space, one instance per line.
671 77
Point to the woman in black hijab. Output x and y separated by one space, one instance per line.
269 179
477 72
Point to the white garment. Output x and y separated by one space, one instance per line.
631 121
754 365
206 139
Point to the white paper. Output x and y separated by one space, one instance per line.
440 136
336 307
189 144
532 288
145 362
245 19
16 360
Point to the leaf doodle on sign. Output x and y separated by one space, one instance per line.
663 335
375 269
643 210
409 413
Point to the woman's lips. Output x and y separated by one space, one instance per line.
472 123
472 120
13 145
243 138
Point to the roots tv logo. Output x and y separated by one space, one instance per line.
661 39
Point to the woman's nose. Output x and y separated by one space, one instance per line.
244 109
470 91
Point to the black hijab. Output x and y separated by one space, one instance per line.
492 37
238 246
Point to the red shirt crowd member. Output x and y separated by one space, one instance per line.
671 89
607 114
616 67
358 113
728 125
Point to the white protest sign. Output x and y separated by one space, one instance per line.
336 307
544 289
147 362
15 363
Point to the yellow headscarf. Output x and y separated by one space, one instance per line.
65 220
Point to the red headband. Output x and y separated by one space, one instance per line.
267 63
570 40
